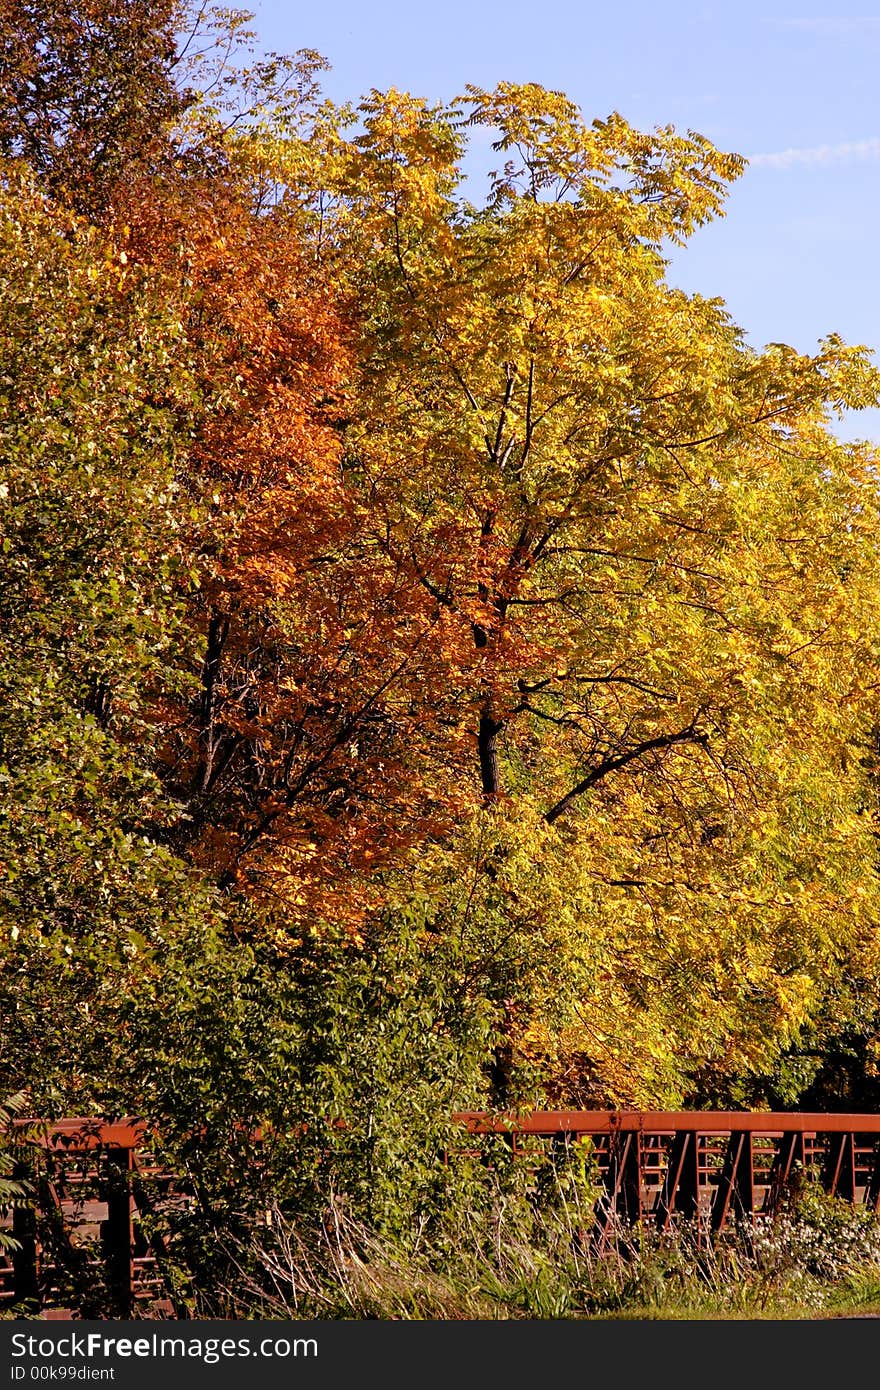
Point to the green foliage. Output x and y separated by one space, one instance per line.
289 1079
348 1058
93 415
13 1191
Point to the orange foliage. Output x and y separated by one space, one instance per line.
309 752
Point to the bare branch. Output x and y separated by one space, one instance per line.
613 764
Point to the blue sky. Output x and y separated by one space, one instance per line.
792 86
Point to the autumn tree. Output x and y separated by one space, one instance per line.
517 591
205 663
649 555
291 768
93 407
88 92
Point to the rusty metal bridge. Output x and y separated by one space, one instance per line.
711 1167
94 1186
83 1220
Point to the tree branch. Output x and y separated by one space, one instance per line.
613 764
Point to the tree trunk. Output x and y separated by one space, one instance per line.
218 631
487 741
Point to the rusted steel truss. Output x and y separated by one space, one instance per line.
715 1168
83 1222
91 1183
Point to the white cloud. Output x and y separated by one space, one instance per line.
850 151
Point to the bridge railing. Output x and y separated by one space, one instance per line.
89 1180
714 1167
80 1220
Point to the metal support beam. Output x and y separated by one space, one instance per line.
735 1194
